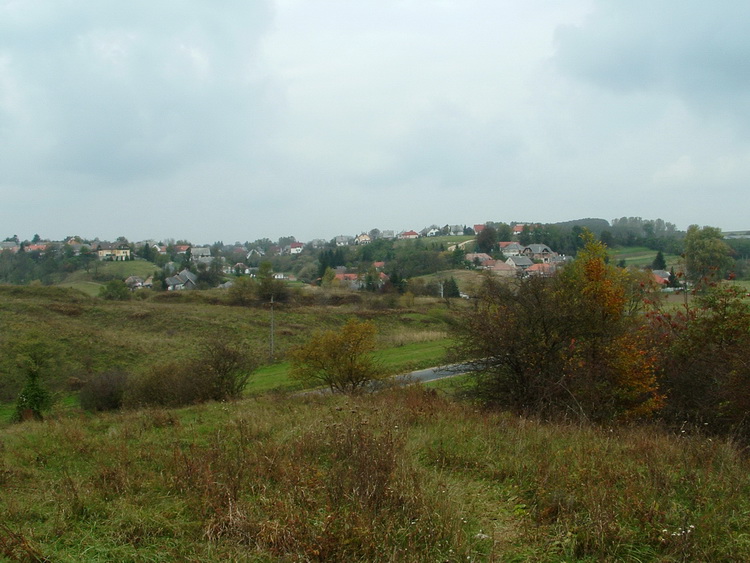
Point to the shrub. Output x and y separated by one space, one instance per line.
566 345
341 359
243 291
703 360
104 392
220 373
115 290
33 399
225 368
166 385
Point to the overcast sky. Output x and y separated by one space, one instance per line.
235 120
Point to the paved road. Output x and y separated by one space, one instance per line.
431 374
419 376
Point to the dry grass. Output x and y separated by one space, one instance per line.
404 475
403 336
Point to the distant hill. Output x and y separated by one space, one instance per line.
596 226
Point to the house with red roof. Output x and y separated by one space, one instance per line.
408 235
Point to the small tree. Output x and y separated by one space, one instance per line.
340 359
566 345
115 290
33 400
450 288
659 263
227 367
329 276
270 288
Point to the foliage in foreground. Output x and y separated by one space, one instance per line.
705 360
404 475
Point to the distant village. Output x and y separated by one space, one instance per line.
180 260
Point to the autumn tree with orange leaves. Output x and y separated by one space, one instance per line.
567 345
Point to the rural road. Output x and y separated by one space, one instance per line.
419 376
430 374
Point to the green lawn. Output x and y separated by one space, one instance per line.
640 256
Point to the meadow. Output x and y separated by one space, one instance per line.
403 475
84 336
641 257
419 473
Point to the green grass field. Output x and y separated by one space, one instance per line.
118 270
85 336
404 475
408 474
640 256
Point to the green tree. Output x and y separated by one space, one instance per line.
504 231
486 240
269 288
524 237
607 238
339 359
328 278
659 262
450 288
187 259
707 256
561 346
33 400
115 290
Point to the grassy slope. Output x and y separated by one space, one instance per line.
86 281
87 335
641 256
405 473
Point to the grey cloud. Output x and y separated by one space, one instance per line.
126 90
450 149
699 51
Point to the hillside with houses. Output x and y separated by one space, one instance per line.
376 260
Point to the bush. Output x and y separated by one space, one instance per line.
219 374
115 290
243 292
166 385
562 346
225 368
342 360
33 400
104 392
703 360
